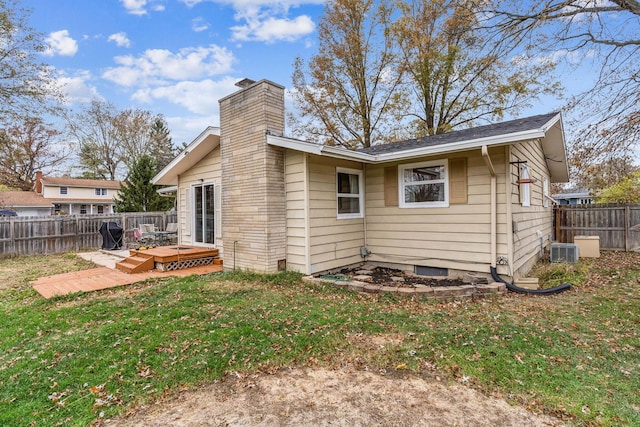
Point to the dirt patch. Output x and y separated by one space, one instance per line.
393 277
322 397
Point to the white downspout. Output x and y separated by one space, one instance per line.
494 207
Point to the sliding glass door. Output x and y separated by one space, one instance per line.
204 213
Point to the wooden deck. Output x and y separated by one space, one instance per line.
168 258
165 254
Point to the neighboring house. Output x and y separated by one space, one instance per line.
63 196
25 203
74 196
577 198
447 204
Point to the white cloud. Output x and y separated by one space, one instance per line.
77 88
572 57
120 39
60 43
198 97
266 20
185 129
139 7
243 4
199 24
156 66
135 7
273 29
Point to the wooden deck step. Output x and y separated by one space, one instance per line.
136 264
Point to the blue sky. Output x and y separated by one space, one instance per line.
174 57
178 57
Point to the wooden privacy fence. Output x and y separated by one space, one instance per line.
59 234
618 226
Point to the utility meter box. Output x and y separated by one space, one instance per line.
589 246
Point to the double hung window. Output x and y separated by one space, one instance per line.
349 191
423 185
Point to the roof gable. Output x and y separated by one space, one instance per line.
192 154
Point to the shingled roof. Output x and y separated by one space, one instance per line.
488 131
77 182
23 199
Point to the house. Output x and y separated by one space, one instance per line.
25 203
63 196
444 205
575 198
73 196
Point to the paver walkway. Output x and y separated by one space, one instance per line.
104 278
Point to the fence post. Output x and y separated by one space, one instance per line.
12 235
627 222
77 223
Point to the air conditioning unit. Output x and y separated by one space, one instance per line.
564 252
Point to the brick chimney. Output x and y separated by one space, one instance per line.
38 182
253 194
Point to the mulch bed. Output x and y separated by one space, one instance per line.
383 276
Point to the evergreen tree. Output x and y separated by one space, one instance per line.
160 143
137 194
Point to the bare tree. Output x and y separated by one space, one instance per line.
26 148
26 84
605 32
460 73
94 131
598 176
111 140
348 95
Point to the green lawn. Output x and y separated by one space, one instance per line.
74 359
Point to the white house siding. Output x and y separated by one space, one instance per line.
32 211
533 224
332 242
296 183
206 171
455 237
53 192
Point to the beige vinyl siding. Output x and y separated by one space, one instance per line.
332 242
455 237
297 204
533 224
206 171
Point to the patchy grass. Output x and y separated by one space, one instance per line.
81 358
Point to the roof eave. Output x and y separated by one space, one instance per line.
460 146
193 153
555 150
342 153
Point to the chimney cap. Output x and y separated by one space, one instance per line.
245 83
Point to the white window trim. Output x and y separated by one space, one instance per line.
445 181
66 190
545 191
360 195
525 174
192 216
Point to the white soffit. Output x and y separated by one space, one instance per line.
195 151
